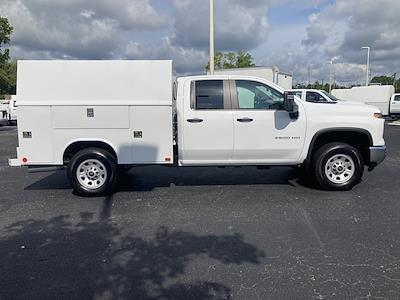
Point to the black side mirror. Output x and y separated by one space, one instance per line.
290 105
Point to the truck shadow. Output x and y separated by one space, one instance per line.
146 179
90 258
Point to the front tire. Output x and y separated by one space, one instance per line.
337 166
92 172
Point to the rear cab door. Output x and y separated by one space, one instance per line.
206 122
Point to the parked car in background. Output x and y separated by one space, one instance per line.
83 125
311 95
395 104
380 96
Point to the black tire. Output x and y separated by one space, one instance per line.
105 161
332 159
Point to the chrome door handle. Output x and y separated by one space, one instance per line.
195 120
245 120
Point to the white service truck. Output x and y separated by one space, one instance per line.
381 96
95 117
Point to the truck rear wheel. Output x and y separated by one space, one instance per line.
92 172
337 166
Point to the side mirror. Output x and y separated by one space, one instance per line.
290 105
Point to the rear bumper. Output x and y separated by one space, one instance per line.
377 155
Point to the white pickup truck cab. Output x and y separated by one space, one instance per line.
395 104
102 116
312 95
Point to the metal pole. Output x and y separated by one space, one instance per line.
330 75
368 60
212 67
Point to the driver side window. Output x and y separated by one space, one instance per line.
255 95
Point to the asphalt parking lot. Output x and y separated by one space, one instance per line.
200 233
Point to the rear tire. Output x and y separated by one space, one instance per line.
92 172
337 166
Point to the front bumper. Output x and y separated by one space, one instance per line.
377 155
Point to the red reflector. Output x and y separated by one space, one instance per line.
24 160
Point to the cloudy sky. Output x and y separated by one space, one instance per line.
295 35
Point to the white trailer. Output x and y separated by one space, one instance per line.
97 117
12 111
272 74
375 95
4 104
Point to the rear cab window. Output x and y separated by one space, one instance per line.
209 95
315 97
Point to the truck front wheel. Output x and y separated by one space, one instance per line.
337 166
92 172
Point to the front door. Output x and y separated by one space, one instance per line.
395 105
207 124
263 131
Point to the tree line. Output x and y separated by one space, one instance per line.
8 67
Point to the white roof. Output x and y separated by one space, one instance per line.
95 82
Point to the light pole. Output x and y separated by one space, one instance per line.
330 75
368 55
212 37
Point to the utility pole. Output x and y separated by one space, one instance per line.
212 51
330 75
309 76
368 58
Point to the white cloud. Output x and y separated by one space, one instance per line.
178 29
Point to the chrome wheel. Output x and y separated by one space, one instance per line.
91 174
340 168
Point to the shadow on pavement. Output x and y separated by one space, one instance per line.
144 179
63 258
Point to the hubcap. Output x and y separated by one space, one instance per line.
91 174
340 168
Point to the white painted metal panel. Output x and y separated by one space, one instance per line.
153 127
81 117
38 148
90 82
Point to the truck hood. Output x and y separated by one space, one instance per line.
357 105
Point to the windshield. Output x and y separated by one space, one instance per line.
330 96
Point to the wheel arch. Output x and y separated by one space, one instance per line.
357 137
77 145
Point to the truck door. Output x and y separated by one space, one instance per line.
263 130
395 104
207 124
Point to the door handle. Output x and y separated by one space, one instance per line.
245 120
195 120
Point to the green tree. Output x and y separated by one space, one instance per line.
8 70
232 60
5 33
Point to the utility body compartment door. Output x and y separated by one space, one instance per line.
207 123
264 133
